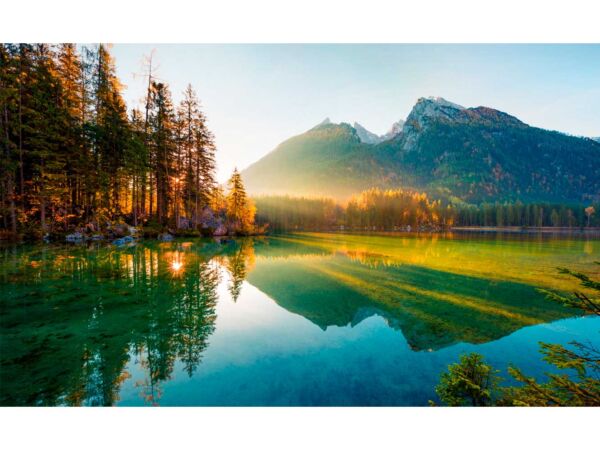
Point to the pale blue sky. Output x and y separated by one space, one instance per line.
255 96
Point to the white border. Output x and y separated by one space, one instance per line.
300 428
313 21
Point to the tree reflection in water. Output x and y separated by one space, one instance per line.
73 317
238 263
75 320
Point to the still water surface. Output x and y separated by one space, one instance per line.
302 319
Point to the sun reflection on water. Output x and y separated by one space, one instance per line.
176 264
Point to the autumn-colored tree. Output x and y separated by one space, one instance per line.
218 201
238 263
240 209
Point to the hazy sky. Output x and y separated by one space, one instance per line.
256 96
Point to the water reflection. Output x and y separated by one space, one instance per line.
75 319
176 266
238 262
70 318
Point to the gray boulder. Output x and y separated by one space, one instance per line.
124 240
221 230
75 237
165 237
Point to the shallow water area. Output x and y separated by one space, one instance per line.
298 319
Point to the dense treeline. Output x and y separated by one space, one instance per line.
73 158
376 209
373 209
393 209
282 213
527 215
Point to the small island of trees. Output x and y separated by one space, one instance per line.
75 160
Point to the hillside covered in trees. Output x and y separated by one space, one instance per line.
469 155
75 159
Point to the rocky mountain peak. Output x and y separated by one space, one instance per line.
431 107
394 131
424 111
365 135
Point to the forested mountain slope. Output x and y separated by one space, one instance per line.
472 154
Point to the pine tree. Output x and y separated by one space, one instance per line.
178 166
205 167
240 210
470 379
8 125
198 178
70 152
45 143
471 382
136 165
111 129
191 116
162 122
70 73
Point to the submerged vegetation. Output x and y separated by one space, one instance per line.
472 381
74 159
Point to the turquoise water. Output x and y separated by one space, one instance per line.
305 319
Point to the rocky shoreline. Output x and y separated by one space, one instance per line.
123 234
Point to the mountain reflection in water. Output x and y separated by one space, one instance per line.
86 325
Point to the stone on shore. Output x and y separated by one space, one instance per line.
165 237
75 237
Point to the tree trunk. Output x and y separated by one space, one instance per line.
197 190
134 200
43 214
21 175
11 196
151 195
142 194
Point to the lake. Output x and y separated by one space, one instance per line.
297 319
